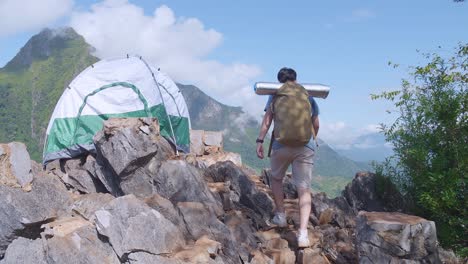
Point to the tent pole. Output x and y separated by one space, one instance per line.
164 104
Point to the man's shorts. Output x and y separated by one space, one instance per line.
302 160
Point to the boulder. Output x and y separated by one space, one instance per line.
204 251
363 194
86 205
242 232
22 213
147 258
311 255
77 175
208 160
335 211
249 196
395 238
69 240
15 166
167 209
197 146
106 177
16 252
132 226
126 146
260 202
201 221
257 257
213 141
281 256
178 181
449 257
225 172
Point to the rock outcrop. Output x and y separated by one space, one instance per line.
136 201
395 238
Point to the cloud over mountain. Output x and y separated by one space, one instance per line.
17 16
179 46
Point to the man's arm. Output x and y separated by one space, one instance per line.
316 124
266 123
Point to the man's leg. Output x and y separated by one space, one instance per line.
305 201
302 176
279 164
278 195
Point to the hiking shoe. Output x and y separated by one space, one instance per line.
303 239
279 219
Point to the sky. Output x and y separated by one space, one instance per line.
224 47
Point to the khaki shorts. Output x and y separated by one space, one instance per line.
302 160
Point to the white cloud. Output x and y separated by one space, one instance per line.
362 13
372 128
22 15
342 136
179 46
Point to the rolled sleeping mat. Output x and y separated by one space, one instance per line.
314 89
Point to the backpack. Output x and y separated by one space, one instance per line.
292 115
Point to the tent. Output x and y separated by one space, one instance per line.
124 87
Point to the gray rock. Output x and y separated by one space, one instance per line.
86 205
167 209
105 177
395 238
259 201
139 182
22 213
77 175
17 252
242 231
146 258
213 138
338 244
127 154
197 146
223 172
244 188
362 194
124 147
15 165
332 211
201 221
178 181
448 257
208 160
132 226
78 244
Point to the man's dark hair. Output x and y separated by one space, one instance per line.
286 74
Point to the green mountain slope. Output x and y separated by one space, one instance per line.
33 81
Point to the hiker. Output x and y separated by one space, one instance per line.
293 142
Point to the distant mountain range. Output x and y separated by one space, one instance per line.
371 147
32 82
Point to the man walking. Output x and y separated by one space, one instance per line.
295 115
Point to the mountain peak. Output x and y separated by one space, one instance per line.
42 45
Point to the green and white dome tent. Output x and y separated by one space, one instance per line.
124 87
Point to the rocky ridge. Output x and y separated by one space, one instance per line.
134 201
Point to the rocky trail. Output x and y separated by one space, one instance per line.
134 201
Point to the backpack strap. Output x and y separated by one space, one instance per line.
272 103
271 143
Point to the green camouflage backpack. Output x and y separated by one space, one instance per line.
292 114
